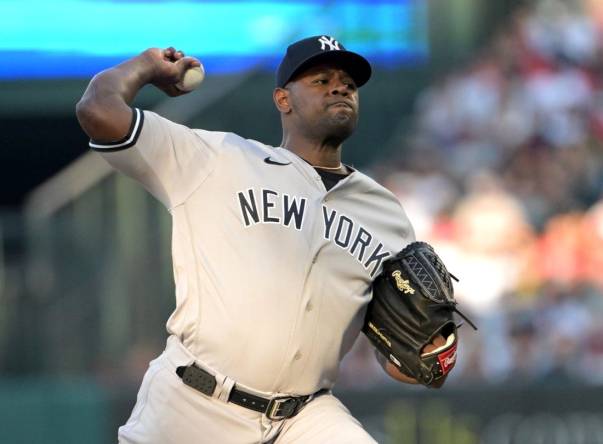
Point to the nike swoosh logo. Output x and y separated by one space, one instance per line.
274 162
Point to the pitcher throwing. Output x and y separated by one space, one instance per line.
274 251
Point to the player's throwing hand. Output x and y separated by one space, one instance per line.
167 68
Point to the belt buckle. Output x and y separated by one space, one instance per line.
282 408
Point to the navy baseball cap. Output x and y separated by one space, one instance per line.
311 51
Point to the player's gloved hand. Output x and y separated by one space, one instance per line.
437 342
166 67
410 319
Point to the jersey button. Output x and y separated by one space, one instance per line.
297 356
309 307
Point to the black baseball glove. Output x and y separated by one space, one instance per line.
413 302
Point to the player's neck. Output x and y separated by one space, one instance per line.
322 153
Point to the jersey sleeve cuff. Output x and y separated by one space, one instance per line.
129 140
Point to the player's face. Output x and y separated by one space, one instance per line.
324 101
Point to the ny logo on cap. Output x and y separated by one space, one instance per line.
330 42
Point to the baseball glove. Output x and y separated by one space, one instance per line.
413 301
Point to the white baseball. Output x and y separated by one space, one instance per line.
192 79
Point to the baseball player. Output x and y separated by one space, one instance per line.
274 251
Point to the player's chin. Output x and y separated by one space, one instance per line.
343 123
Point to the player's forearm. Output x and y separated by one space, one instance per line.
104 110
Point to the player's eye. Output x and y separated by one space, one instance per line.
320 81
350 84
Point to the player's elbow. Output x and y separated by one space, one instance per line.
103 120
88 114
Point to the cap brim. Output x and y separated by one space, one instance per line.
354 64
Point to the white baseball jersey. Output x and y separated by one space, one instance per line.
272 271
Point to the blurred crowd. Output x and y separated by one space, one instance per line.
503 173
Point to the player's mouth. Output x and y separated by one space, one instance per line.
341 104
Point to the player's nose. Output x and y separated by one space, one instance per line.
340 88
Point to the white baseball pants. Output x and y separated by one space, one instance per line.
169 412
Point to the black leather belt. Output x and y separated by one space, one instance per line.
275 408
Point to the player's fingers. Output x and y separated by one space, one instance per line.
428 349
192 61
439 341
187 62
436 343
171 90
169 54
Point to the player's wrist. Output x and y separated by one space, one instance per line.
143 68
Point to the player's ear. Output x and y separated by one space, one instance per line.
281 100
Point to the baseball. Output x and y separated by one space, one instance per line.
192 79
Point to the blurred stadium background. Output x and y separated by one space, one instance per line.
484 117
